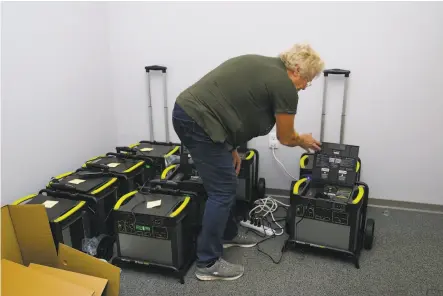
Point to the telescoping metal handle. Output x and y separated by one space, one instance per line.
165 102
337 72
156 68
326 73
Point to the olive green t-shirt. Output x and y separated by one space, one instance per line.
238 100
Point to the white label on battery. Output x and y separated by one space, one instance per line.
332 159
113 164
147 149
325 169
342 172
50 203
76 181
153 204
337 160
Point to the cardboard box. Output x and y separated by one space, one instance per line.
30 264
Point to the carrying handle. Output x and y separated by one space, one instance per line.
337 72
155 68
63 193
98 166
125 149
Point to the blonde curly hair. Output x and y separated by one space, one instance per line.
304 57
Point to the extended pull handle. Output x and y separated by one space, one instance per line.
337 72
155 68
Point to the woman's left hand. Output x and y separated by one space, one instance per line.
237 161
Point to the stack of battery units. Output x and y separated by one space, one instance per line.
155 154
98 189
64 215
130 171
156 228
250 187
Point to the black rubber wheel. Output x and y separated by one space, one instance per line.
261 188
369 234
105 248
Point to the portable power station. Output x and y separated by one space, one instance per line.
157 227
328 209
250 186
306 162
128 170
99 191
64 215
184 177
153 153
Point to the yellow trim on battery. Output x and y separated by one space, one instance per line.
172 151
70 212
94 158
302 161
361 193
133 145
104 186
181 207
123 198
60 177
358 166
251 154
297 185
63 175
165 171
138 164
25 198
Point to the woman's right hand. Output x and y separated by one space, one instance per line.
307 142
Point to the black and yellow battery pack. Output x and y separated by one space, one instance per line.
97 189
65 216
183 177
129 170
328 210
154 153
250 186
306 164
156 228
306 161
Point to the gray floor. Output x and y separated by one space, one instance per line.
407 259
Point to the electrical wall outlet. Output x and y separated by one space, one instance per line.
273 141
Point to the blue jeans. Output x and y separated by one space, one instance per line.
214 164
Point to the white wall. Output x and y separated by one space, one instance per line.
57 110
395 52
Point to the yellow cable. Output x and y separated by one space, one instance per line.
165 171
19 201
297 185
251 154
361 192
123 198
172 151
104 186
70 212
138 164
181 207
302 161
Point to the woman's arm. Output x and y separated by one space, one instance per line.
286 133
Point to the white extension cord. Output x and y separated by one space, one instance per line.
267 206
264 207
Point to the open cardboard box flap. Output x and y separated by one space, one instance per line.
26 238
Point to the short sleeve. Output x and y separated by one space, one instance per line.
284 97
